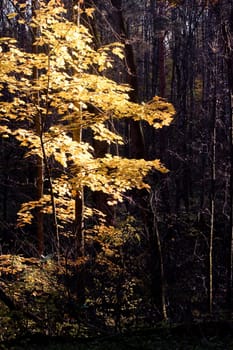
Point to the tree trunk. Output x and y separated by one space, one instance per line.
230 245
212 194
39 161
227 31
135 134
159 251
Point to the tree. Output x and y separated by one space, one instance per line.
38 123
227 30
72 94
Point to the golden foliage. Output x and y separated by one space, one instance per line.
72 94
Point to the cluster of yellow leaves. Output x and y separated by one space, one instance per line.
11 264
72 93
115 175
26 276
40 281
109 240
65 204
25 215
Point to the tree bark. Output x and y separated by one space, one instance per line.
212 194
227 30
230 248
39 161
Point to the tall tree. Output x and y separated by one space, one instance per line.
75 97
38 122
227 31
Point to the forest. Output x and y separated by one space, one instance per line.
116 174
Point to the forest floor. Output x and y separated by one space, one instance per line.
142 342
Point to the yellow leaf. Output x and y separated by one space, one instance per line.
118 52
12 15
89 11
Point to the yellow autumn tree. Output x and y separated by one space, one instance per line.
73 95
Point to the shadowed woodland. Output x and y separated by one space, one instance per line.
116 170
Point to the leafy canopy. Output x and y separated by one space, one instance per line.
71 93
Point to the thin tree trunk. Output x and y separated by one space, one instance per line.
162 275
39 160
228 39
213 180
230 253
160 256
79 200
53 203
162 75
77 136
